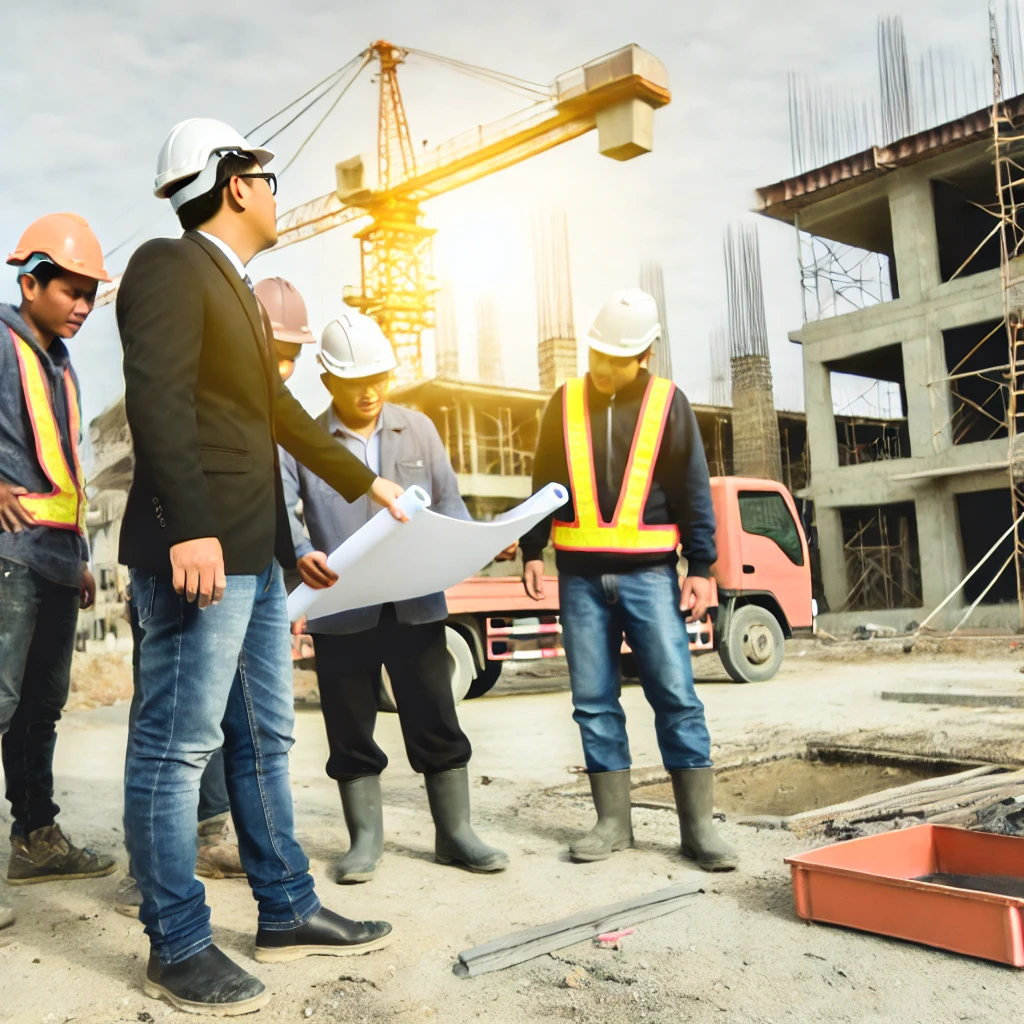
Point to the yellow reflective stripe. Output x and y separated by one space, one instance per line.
579 454
65 506
626 532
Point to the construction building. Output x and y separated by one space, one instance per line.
901 267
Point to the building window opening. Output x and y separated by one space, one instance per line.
966 222
883 558
869 400
984 517
976 361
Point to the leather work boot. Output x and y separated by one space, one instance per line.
47 855
217 856
455 841
7 915
128 899
694 793
207 982
324 934
614 828
364 816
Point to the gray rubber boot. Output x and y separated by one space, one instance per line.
364 815
456 842
614 828
694 793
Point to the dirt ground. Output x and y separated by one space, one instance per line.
735 953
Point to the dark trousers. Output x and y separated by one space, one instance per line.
213 786
37 640
348 672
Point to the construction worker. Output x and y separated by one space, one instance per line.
408 637
288 321
203 531
44 550
627 446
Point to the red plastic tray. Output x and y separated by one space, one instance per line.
869 884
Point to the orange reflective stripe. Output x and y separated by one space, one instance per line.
627 530
65 505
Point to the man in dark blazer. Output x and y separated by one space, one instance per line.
205 535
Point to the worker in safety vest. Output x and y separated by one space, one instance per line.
627 446
407 637
44 550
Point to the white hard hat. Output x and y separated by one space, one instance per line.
193 147
354 346
627 324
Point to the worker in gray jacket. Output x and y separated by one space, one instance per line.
406 637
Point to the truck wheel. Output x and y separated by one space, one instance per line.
462 672
752 647
486 677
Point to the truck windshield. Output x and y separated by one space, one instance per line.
765 514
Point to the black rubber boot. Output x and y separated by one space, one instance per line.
207 982
694 793
614 828
364 816
456 842
324 934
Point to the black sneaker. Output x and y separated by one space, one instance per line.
324 934
207 982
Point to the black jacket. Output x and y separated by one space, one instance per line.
207 408
680 492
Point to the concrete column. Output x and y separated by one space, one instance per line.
833 556
821 421
928 401
938 535
912 213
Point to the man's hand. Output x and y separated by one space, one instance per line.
387 493
508 553
314 571
198 567
695 598
14 517
533 578
86 589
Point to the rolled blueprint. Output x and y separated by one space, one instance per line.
391 561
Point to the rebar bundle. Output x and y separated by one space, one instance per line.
652 281
748 335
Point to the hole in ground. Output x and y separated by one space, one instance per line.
803 781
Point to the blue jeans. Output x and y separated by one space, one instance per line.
595 612
208 678
38 619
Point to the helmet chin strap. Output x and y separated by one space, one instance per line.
204 182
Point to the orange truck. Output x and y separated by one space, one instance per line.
761 596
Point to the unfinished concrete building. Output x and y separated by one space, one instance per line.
901 269
652 281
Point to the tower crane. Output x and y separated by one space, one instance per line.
617 94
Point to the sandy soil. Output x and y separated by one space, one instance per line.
735 953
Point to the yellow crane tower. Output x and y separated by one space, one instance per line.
617 94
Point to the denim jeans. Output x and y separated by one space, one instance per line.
213 786
210 678
37 639
595 612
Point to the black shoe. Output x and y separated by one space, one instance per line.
207 982
327 934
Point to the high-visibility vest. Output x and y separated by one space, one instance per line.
65 506
627 531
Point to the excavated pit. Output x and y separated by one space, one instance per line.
819 776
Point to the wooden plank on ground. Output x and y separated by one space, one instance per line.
529 943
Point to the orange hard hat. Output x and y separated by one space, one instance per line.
287 311
65 239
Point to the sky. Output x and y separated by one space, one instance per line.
94 88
